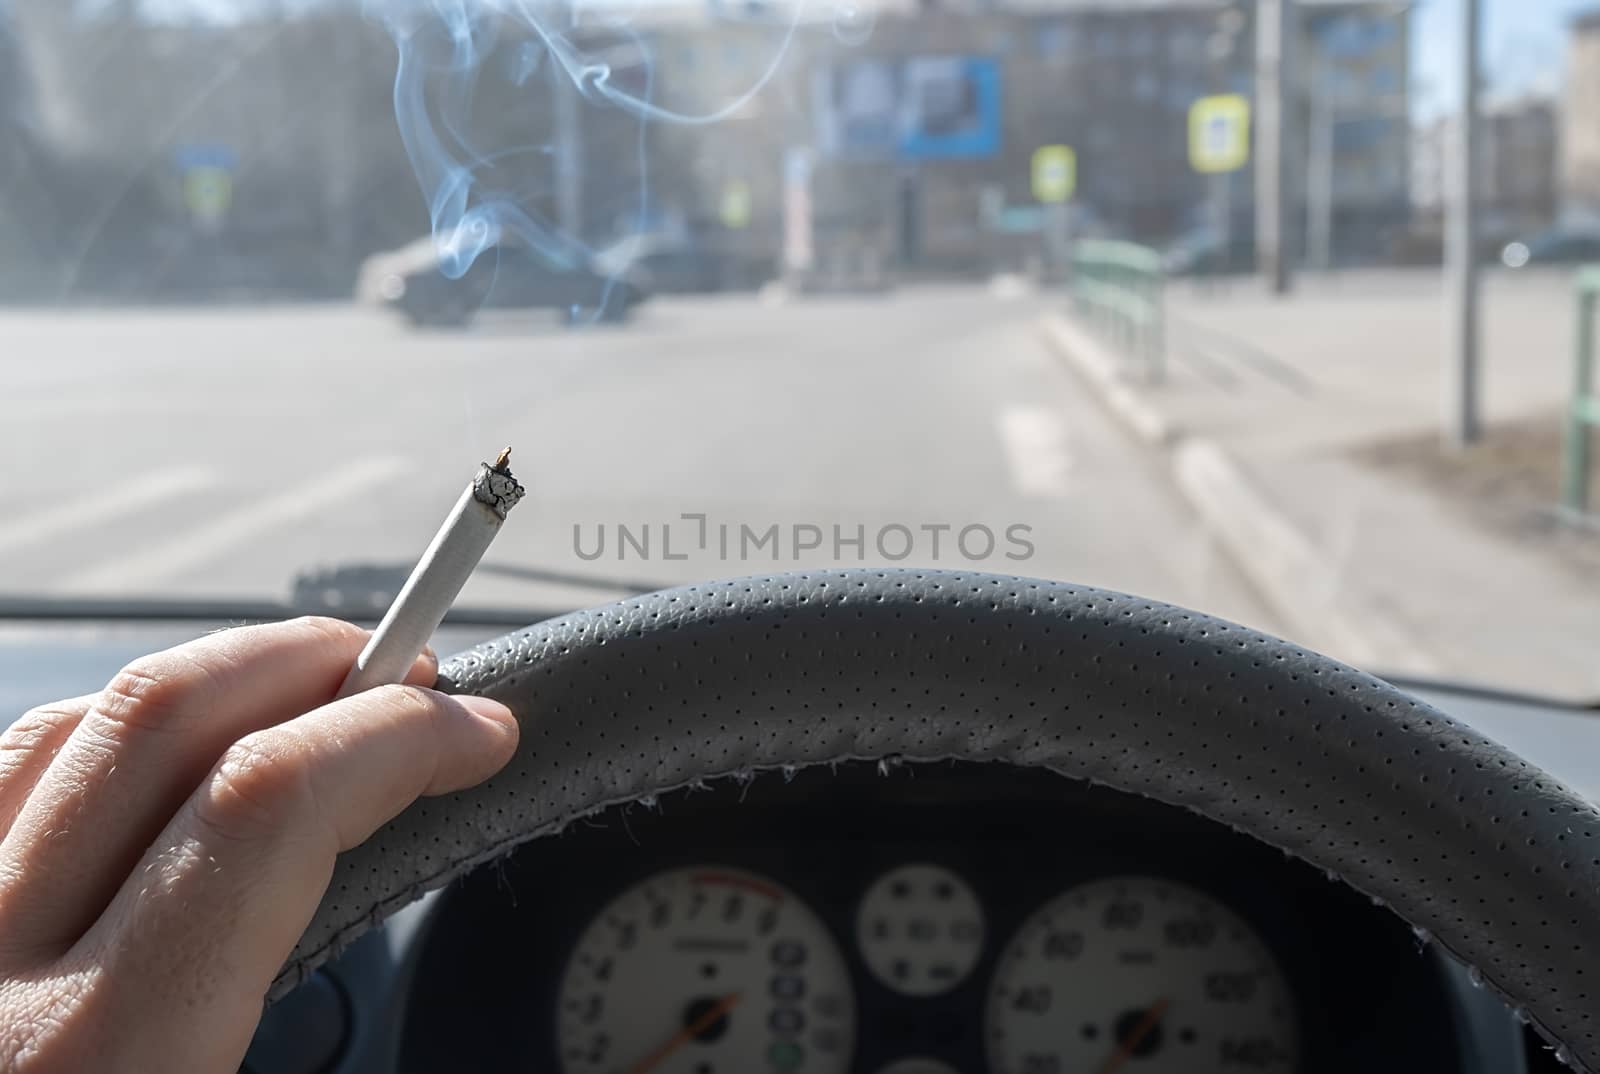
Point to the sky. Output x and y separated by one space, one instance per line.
1523 48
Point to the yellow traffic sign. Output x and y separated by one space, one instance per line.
208 192
1219 133
1055 173
735 207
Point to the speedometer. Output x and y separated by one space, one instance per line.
1140 975
706 970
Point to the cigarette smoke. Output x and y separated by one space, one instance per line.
442 46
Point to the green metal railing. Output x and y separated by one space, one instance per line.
1117 286
1584 413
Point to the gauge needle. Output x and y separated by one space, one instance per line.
686 1034
1127 1045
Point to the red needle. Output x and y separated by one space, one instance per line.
686 1034
1127 1045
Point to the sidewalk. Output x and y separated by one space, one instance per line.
1304 432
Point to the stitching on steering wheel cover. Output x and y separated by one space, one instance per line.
1493 858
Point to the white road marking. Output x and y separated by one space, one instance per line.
182 553
1038 451
146 490
1010 286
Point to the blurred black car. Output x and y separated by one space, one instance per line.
507 278
669 264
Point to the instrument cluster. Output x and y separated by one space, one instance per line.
963 920
710 969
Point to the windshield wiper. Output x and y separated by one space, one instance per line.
1491 693
360 592
229 609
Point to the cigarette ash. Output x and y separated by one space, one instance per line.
496 487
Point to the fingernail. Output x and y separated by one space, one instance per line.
487 708
427 651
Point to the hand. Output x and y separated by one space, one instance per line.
164 843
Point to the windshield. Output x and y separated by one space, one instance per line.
1195 299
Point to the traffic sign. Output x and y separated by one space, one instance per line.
1055 173
207 175
1219 133
735 207
208 192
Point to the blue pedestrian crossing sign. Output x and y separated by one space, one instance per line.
1055 173
1219 133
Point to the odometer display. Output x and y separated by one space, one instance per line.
1140 975
706 970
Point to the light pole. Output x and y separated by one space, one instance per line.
1461 403
1220 50
1275 41
1319 173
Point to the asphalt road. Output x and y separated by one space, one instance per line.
240 452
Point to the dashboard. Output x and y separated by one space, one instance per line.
935 919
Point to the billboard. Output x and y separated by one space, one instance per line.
915 108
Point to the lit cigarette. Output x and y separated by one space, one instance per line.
438 577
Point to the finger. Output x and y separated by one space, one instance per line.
28 746
138 752
213 909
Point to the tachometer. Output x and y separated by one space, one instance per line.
706 970
1142 975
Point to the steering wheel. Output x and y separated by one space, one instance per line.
1472 845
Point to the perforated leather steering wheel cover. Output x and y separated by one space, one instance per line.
1495 859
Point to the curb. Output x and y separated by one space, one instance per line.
1283 563
1287 566
1096 364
